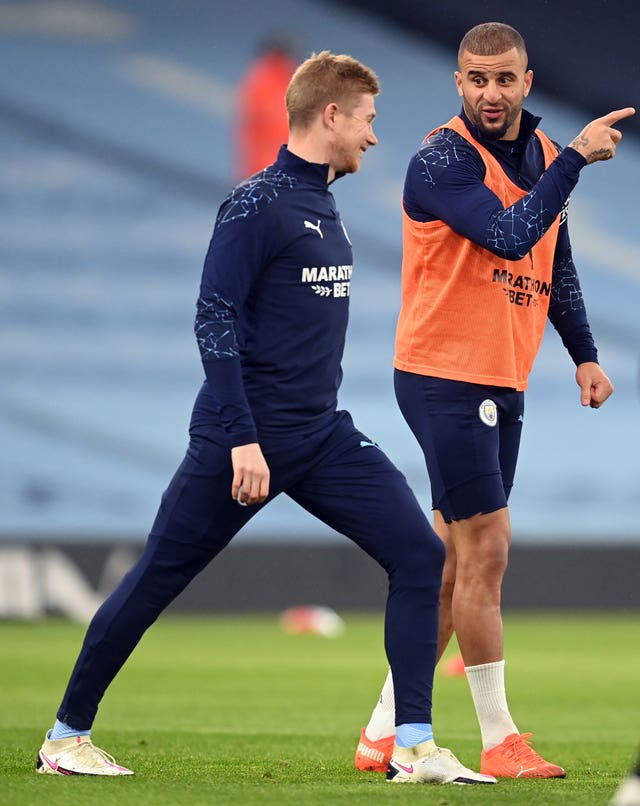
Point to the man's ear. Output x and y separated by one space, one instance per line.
528 81
329 115
458 77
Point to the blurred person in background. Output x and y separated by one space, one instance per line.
261 125
271 324
486 260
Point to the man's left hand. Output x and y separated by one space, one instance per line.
595 386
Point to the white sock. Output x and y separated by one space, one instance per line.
382 722
486 682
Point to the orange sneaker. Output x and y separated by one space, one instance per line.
515 758
373 755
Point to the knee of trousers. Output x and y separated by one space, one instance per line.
417 562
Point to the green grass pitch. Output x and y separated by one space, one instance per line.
231 710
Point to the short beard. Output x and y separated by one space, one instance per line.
342 164
493 134
490 134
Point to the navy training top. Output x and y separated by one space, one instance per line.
273 308
445 181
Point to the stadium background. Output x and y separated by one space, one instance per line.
115 150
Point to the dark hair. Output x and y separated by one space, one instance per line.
491 39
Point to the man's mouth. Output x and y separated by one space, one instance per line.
492 114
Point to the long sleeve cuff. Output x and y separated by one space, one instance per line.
226 386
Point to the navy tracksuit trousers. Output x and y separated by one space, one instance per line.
339 476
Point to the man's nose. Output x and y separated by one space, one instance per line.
492 92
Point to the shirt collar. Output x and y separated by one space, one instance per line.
314 173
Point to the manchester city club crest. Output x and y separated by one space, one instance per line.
489 413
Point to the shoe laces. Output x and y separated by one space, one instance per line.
520 750
445 754
88 748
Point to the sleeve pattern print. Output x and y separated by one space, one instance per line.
214 328
251 196
566 294
445 182
445 148
515 230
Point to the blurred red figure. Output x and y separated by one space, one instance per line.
261 122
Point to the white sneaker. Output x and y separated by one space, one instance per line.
76 756
426 763
628 793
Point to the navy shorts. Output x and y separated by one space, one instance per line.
470 436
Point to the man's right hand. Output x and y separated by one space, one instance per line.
250 474
597 141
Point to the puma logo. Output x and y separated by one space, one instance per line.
315 227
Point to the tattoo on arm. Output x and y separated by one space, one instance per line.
580 140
